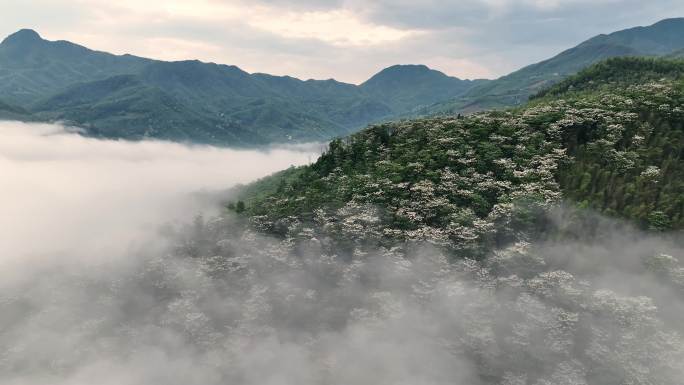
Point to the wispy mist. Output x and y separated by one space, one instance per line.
209 301
64 193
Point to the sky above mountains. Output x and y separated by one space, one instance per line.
348 40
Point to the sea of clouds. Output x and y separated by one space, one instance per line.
66 194
106 278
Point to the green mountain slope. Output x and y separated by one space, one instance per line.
615 72
616 148
10 112
212 104
132 98
32 68
124 107
406 87
659 39
128 107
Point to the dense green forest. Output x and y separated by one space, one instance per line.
452 232
610 138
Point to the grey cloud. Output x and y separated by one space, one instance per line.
500 38
300 4
483 15
496 36
505 36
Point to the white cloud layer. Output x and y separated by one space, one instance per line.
224 305
63 194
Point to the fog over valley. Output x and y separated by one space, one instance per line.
77 196
107 278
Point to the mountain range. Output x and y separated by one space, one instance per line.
133 98
130 97
664 38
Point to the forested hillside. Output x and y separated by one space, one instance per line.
450 234
610 138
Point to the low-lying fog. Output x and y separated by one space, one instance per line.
92 293
71 195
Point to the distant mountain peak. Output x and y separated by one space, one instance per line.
421 67
407 68
405 73
23 36
673 20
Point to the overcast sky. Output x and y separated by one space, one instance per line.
348 40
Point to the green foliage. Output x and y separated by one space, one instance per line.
240 207
609 146
617 71
658 221
632 167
